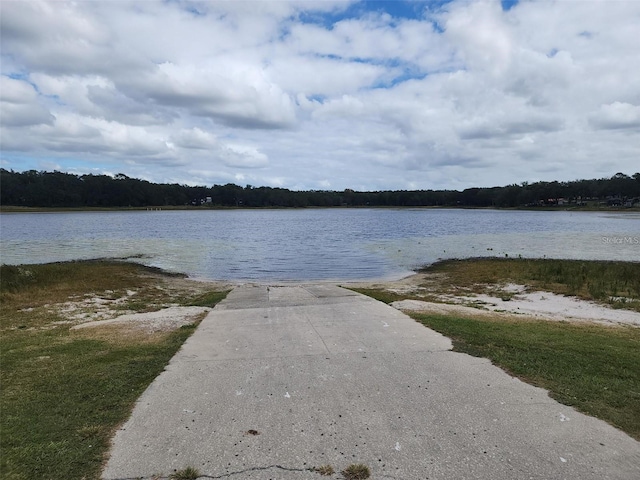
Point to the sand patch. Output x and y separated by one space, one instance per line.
155 307
430 294
418 282
163 320
441 308
539 305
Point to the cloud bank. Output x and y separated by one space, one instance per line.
322 94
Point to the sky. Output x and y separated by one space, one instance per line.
321 94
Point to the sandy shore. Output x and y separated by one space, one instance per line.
521 304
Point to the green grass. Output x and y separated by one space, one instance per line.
614 283
208 299
96 273
64 392
593 368
63 396
380 294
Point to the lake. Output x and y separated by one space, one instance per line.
314 244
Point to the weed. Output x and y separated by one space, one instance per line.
356 471
13 278
188 473
324 470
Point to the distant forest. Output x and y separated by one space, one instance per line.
56 189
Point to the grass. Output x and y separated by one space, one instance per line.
593 368
356 471
34 286
324 470
64 392
208 299
188 473
381 294
614 283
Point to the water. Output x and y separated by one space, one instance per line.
314 244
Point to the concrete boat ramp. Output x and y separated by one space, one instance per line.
278 380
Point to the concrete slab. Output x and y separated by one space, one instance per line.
277 380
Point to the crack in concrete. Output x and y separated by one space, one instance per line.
258 469
225 475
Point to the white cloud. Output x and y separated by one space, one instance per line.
195 139
243 156
58 37
20 105
238 95
481 32
325 77
278 93
617 115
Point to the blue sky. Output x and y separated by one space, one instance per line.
322 94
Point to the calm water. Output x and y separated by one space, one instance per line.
314 244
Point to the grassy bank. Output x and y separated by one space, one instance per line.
64 392
594 368
615 284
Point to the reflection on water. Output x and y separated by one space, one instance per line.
314 244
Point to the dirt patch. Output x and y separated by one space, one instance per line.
551 306
441 308
416 283
166 319
427 294
159 306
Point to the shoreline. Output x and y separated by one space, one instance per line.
422 291
156 208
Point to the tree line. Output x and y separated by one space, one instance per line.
62 190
